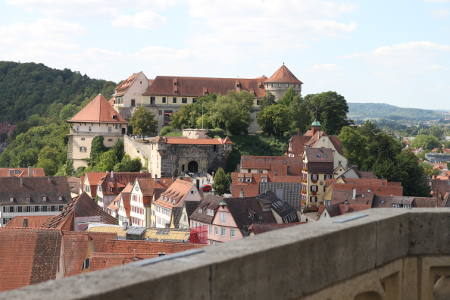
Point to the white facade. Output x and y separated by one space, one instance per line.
82 134
7 212
133 95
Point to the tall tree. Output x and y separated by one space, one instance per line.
143 122
426 142
274 120
330 109
221 183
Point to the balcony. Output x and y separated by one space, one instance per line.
374 254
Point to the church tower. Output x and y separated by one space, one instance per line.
281 81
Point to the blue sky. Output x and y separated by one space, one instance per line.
396 52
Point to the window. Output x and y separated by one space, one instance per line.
133 102
160 112
83 149
85 264
174 100
60 208
90 129
37 208
258 102
44 208
232 232
83 138
11 199
60 198
222 217
194 100
109 129
52 208
223 231
183 100
19 208
11 209
216 230
4 208
28 208
163 99
44 198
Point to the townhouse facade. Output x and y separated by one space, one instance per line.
172 204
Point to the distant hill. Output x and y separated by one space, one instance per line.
29 88
361 111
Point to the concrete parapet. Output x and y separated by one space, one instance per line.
388 254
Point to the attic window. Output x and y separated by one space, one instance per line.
60 198
44 198
11 199
114 117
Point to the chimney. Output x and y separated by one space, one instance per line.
354 194
25 222
30 171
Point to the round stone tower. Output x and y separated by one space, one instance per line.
281 81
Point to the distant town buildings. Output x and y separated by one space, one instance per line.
165 95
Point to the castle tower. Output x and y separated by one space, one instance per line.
281 81
97 118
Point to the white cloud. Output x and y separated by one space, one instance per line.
324 67
141 20
43 37
88 8
410 48
441 13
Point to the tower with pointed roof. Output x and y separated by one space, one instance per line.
281 81
97 118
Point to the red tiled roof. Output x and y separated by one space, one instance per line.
28 256
251 189
200 86
283 75
279 165
173 196
99 110
297 145
21 172
125 84
81 206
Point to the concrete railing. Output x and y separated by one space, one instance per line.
385 254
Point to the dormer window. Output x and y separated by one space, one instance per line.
114 117
11 199
60 198
28 199
44 198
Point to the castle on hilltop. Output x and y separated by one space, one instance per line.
165 95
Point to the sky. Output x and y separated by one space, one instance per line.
395 52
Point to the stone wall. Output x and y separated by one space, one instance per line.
387 254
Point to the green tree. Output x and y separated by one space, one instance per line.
128 165
376 151
221 183
97 148
143 122
330 109
274 119
426 142
118 150
267 100
106 161
50 167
